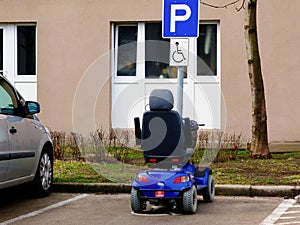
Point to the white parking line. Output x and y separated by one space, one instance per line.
288 223
35 213
278 212
291 212
289 217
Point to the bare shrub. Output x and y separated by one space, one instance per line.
212 146
216 146
74 146
59 144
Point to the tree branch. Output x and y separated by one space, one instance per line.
224 6
242 6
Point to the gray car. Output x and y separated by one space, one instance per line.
26 152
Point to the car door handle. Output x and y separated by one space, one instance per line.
13 130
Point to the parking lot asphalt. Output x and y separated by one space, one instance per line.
101 207
225 190
66 208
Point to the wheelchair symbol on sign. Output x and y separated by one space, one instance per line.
178 55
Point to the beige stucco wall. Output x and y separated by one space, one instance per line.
73 34
279 41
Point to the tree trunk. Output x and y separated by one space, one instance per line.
259 142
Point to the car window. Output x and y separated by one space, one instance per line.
8 100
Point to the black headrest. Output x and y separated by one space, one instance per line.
161 100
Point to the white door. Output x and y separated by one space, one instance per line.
19 57
141 64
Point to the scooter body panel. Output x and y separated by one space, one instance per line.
169 184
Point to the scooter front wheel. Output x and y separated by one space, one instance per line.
136 204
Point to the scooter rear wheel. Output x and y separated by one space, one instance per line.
136 204
190 201
209 193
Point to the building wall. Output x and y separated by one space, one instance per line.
73 35
279 44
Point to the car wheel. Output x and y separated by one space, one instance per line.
136 204
190 201
209 193
44 175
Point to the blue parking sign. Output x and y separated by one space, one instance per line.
180 18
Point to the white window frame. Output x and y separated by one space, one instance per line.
24 78
140 55
4 70
8 50
140 62
192 68
26 84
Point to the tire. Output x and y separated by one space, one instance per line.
209 193
136 204
43 179
190 201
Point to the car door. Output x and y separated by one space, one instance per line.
24 133
6 108
24 139
4 145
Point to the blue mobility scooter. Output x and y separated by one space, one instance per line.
168 143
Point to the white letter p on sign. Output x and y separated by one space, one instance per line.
175 18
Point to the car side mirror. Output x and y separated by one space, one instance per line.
32 107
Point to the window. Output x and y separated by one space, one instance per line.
18 56
153 52
207 50
157 52
8 101
127 50
26 50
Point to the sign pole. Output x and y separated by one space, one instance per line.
180 20
180 77
179 55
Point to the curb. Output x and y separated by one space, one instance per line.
105 188
225 190
259 191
